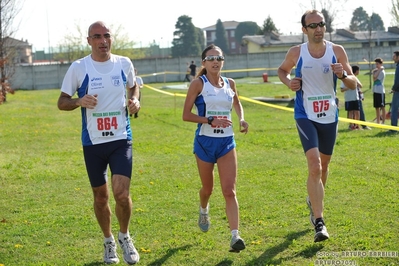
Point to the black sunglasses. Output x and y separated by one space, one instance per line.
315 25
213 57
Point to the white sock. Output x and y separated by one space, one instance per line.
123 236
109 239
234 232
204 210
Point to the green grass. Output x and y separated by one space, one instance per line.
46 215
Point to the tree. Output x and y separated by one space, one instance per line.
221 38
360 20
268 26
328 19
201 38
185 41
246 28
395 11
9 9
376 22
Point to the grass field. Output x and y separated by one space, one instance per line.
46 215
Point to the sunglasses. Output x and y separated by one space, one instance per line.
213 57
315 25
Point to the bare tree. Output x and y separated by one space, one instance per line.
395 12
9 9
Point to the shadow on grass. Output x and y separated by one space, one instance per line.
169 254
225 262
157 262
267 258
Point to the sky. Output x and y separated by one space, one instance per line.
44 23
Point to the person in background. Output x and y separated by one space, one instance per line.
318 63
193 70
188 71
356 72
214 96
140 85
395 93
379 90
100 81
352 103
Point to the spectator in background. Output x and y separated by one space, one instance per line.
140 84
188 71
352 103
395 93
193 70
356 72
379 90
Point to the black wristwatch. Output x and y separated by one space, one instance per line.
210 120
344 75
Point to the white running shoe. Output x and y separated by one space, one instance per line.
110 255
130 254
321 233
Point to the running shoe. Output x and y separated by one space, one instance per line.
130 254
203 222
237 244
110 255
321 231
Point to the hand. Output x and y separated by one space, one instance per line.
244 126
133 105
88 101
337 69
295 84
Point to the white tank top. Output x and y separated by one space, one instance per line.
217 102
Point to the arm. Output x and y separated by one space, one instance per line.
395 86
193 91
343 64
238 108
284 70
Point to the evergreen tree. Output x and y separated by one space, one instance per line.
268 26
185 41
360 20
246 28
221 39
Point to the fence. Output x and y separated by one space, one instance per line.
158 70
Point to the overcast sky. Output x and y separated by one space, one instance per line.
44 23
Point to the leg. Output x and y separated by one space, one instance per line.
123 202
394 109
205 170
227 167
315 185
102 209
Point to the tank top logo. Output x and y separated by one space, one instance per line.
116 80
326 69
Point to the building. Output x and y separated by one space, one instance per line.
19 50
273 42
230 28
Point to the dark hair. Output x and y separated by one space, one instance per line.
203 55
355 68
314 11
379 60
396 52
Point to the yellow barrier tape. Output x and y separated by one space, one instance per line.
342 119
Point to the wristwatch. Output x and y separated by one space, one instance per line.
344 75
210 120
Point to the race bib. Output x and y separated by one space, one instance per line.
105 124
321 106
